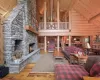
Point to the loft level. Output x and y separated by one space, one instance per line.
52 28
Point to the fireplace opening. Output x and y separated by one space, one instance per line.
31 47
17 50
18 45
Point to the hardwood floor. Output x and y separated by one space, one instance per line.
24 75
43 52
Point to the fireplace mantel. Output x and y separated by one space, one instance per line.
31 29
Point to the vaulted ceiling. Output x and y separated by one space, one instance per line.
6 6
65 5
90 9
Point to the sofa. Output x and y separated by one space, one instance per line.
77 72
3 71
69 50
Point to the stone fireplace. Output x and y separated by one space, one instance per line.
18 41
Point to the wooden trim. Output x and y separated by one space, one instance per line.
31 29
1 43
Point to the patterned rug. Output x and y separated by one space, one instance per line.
46 64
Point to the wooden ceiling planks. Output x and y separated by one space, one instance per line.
65 6
40 6
96 21
88 8
82 10
5 6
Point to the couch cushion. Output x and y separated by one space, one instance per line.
95 70
71 49
70 72
91 61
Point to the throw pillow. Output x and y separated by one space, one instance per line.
95 70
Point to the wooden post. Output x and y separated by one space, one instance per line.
70 20
1 42
58 13
57 43
45 44
51 11
70 24
69 40
45 15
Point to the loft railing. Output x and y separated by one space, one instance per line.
54 26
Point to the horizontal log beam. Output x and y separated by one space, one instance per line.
31 29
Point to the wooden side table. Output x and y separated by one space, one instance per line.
81 59
78 59
73 59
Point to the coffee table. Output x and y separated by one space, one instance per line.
82 59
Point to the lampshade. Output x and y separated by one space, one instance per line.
87 46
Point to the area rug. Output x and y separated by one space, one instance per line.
46 64
46 76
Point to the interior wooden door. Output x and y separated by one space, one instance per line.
1 42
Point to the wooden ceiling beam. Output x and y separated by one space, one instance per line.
97 15
87 8
2 8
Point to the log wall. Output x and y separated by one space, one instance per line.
80 25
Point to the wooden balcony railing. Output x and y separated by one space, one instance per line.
54 26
